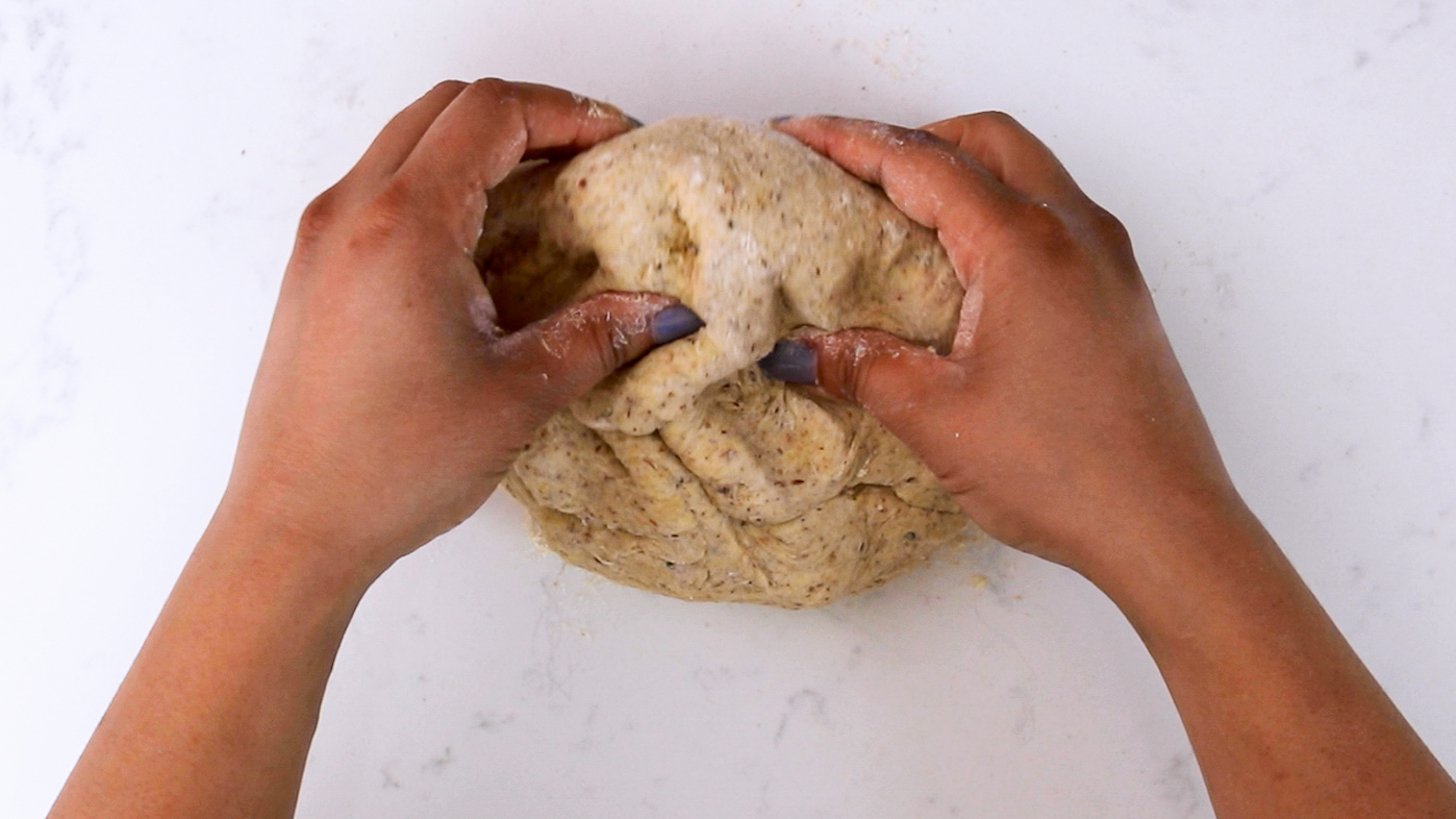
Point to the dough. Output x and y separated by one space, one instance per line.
689 473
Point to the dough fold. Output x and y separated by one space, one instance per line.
689 473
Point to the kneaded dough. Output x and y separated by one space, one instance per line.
689 473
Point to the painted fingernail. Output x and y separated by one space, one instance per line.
792 361
673 323
633 121
781 118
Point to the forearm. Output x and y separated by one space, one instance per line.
216 714
1283 716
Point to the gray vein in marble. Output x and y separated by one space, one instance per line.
716 677
1177 786
439 762
491 722
933 803
551 671
1424 12
588 739
1310 472
1421 15
1023 694
806 702
40 380
1223 286
1269 183
765 807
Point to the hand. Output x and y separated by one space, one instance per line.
1060 416
388 403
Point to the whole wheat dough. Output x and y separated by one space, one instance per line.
689 473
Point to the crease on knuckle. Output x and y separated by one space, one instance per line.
922 137
609 341
503 99
389 213
398 197
319 215
857 385
501 95
852 361
494 87
997 120
1109 227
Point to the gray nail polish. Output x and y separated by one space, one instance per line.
792 361
781 118
673 323
633 121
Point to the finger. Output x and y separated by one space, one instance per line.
388 150
492 124
1013 154
887 375
560 357
927 178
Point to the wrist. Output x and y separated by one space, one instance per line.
251 542
1190 564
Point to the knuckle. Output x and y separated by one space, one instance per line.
452 86
493 88
390 212
852 361
398 196
389 206
1000 128
920 136
319 214
919 141
609 341
859 385
495 97
1113 237
1109 227
996 120
837 373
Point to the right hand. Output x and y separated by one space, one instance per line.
1060 420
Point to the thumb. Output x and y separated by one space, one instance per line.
565 354
888 376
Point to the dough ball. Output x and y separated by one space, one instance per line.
689 473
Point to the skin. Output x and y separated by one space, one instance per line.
386 409
388 405
1062 423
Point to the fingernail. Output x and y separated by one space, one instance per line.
781 118
792 361
673 323
633 121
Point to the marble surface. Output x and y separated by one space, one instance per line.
1289 176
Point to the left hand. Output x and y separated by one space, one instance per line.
389 403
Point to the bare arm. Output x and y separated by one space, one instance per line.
387 407
1062 423
216 714
1285 719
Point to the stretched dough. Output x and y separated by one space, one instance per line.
689 473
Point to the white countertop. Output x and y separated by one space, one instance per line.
1289 177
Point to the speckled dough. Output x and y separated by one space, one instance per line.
689 473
